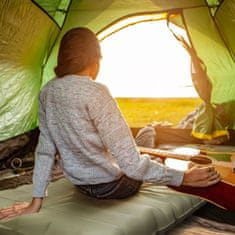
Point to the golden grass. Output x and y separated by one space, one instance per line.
141 111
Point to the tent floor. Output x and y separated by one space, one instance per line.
154 210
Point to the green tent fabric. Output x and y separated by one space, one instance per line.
225 20
212 49
56 9
31 32
214 2
26 38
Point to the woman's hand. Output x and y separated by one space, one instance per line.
201 177
21 208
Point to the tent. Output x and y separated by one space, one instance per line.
31 32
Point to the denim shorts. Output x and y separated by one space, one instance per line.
118 189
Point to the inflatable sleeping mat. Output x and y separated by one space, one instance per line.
154 210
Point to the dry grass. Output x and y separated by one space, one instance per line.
141 111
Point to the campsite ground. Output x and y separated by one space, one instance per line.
142 111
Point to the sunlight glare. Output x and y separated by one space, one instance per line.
145 60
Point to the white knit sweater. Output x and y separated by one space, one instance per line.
80 119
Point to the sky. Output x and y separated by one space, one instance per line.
145 60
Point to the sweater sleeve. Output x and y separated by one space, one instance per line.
118 140
44 157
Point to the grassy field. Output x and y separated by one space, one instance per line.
141 111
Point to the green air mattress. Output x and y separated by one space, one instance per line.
154 210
